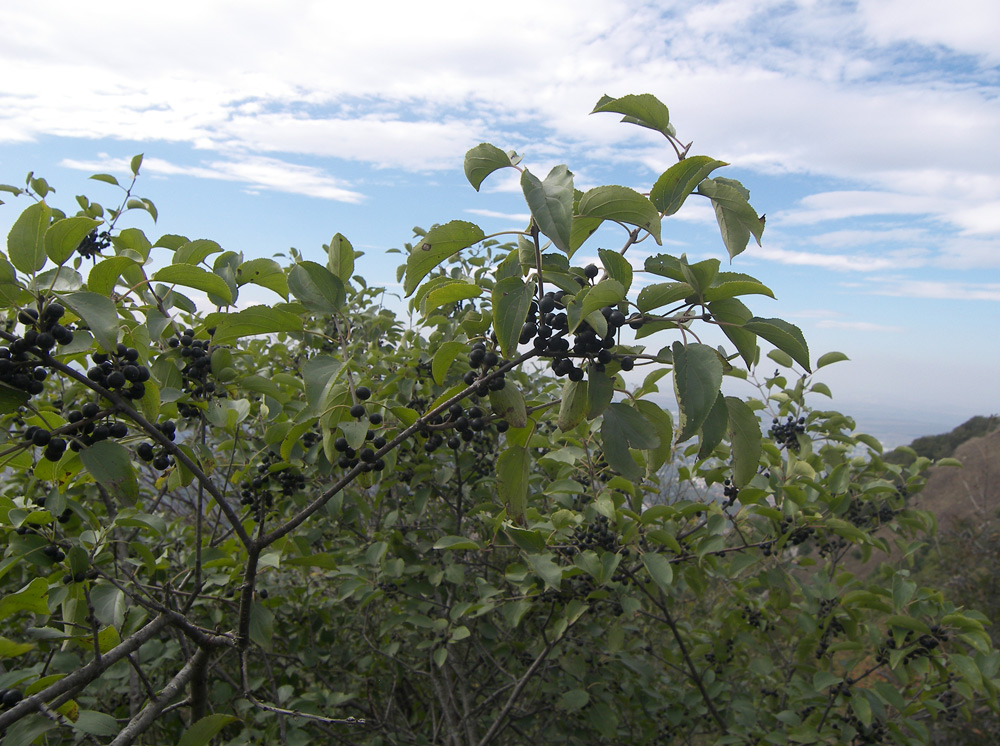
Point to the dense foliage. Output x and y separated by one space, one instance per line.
308 521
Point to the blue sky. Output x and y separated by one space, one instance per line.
866 131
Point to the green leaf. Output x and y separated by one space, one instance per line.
96 723
607 292
110 464
511 303
447 294
99 313
261 625
551 204
443 359
600 389
737 219
830 358
316 288
642 109
659 569
663 425
26 240
624 426
135 163
31 598
11 649
617 267
581 230
440 243
713 429
264 272
200 733
455 542
250 322
341 258
665 265
731 284
700 275
109 604
734 314
677 182
746 439
483 160
11 399
508 402
529 541
195 252
191 276
784 336
543 566
697 380
573 700
662 294
573 405
106 178
64 236
27 730
104 276
622 205
512 479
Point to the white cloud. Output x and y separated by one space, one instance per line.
842 262
256 172
518 217
859 326
937 289
965 26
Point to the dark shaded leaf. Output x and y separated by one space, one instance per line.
697 379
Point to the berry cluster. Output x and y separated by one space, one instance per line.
197 369
731 492
754 618
160 457
545 330
866 735
868 514
799 534
93 244
925 645
597 535
350 457
783 433
42 332
481 361
255 492
120 370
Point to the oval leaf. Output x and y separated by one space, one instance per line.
316 287
623 205
483 160
191 276
551 204
677 182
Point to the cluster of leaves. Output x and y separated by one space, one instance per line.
341 527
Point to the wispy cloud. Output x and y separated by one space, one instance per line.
519 217
859 326
256 172
843 262
936 289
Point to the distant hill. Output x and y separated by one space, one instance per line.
944 445
970 492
